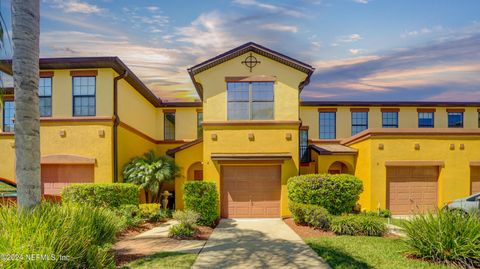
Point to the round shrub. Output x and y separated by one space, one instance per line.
358 225
311 215
446 237
202 197
306 189
337 193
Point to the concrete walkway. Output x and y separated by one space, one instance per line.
156 240
256 243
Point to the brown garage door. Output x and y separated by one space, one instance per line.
475 179
411 189
56 176
250 191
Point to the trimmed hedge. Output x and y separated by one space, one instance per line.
110 195
358 225
202 197
312 215
337 193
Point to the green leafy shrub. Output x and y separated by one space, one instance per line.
337 193
129 214
187 224
312 215
358 225
81 233
202 197
383 213
110 195
446 237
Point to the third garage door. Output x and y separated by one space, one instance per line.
475 179
411 189
250 191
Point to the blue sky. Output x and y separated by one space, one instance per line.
361 49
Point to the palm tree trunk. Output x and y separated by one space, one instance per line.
159 193
25 36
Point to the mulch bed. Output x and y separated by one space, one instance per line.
136 230
306 231
124 259
203 233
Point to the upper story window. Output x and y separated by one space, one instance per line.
45 95
359 121
304 153
199 124
426 119
390 119
8 115
84 102
169 125
250 100
455 119
478 116
327 124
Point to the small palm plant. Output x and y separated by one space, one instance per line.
151 172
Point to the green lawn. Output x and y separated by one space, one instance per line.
163 260
345 252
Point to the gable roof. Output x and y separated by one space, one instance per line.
92 62
249 47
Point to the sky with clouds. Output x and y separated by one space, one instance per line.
378 50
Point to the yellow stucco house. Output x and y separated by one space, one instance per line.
249 133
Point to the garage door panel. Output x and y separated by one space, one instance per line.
57 176
475 179
411 189
251 191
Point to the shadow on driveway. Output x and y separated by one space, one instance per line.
256 243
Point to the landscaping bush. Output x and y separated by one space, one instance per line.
383 213
312 215
358 225
81 233
446 237
111 195
337 193
153 212
202 197
129 215
187 224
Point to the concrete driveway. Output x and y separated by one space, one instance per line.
256 243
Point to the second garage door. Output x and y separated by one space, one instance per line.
250 191
57 176
411 189
475 179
